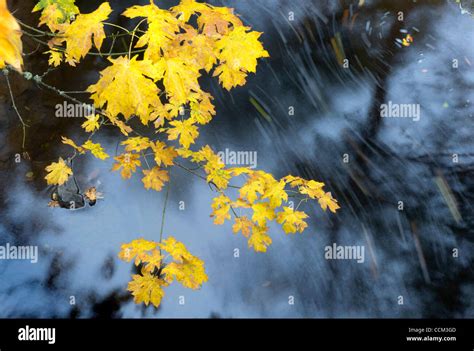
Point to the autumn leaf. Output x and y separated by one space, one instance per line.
152 261
137 249
128 87
185 130
96 149
155 178
275 192
162 25
58 173
92 123
214 20
64 10
202 109
180 79
187 268
242 224
53 18
255 185
147 288
71 143
259 240
128 162
312 188
136 144
238 53
221 208
327 201
262 212
292 220
85 30
164 155
11 46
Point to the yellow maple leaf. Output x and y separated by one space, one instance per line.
54 17
163 154
58 173
92 123
294 181
147 288
96 149
162 25
136 144
185 130
292 220
180 78
214 20
186 8
155 178
261 212
259 240
85 30
238 53
128 162
221 208
327 201
312 188
11 46
187 268
219 177
202 108
191 273
128 88
70 142
275 192
244 225
176 249
137 249
255 185
152 261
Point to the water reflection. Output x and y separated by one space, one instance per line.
409 252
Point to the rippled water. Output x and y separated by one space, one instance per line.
409 253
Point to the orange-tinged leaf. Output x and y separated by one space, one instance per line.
244 225
128 162
164 155
11 46
327 201
155 178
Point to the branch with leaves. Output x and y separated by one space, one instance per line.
156 84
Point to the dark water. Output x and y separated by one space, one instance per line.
409 253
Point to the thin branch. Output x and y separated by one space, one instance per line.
23 124
164 210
